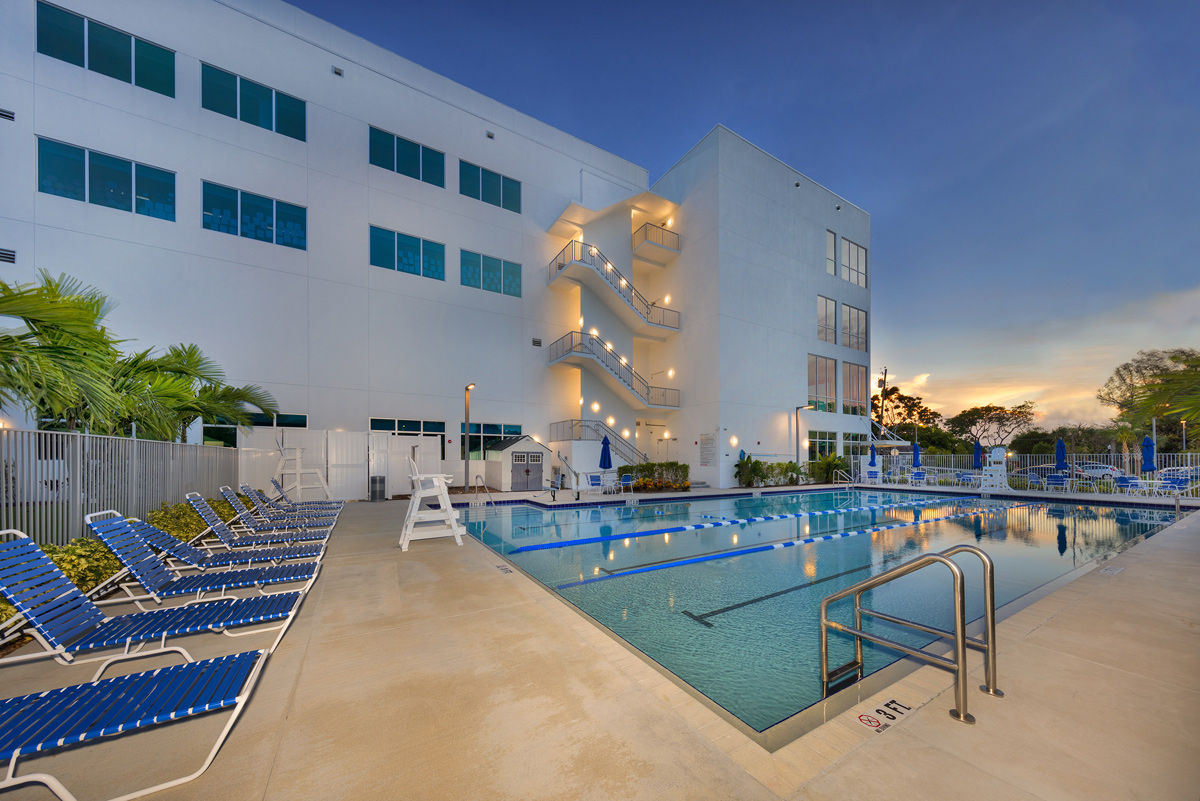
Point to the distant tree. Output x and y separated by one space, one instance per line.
900 409
992 425
1122 388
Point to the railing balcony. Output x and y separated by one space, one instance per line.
593 350
593 265
655 244
594 431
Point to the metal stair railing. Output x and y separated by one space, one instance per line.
656 234
480 483
590 256
957 665
594 431
588 345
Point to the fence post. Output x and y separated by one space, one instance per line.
75 487
133 510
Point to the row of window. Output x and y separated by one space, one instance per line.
822 386
485 435
232 211
490 187
824 443
854 260
86 43
104 180
854 324
245 100
490 273
407 254
222 432
409 158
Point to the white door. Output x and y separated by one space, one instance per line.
348 465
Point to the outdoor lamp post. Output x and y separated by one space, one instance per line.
467 438
798 410
1184 434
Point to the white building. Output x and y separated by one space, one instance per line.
363 238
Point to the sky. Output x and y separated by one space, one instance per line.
1032 169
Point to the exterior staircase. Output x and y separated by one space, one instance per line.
585 264
590 352
594 431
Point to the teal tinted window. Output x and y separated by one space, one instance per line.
468 180
290 116
60 34
110 182
470 265
433 261
512 279
154 192
408 426
291 225
220 208
489 187
408 158
433 167
291 420
408 254
154 68
382 425
492 274
511 194
382 147
60 169
434 427
258 217
383 248
512 431
256 105
492 428
218 91
110 52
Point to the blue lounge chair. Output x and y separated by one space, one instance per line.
1057 481
245 539
65 623
30 724
158 582
259 522
264 511
331 504
207 560
266 505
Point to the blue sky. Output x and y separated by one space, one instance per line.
1032 170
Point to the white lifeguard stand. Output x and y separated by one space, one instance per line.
421 524
292 473
995 472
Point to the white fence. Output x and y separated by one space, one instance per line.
51 479
1128 463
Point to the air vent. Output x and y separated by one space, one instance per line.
537 343
7 115
9 256
491 135
337 71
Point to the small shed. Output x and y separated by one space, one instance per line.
518 464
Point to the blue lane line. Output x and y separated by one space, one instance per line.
761 548
696 527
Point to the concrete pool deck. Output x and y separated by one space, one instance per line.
442 673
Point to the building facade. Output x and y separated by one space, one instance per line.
364 238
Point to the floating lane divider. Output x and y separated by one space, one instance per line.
719 523
774 547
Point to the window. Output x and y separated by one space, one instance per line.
406 157
104 180
830 253
231 211
488 186
822 383
855 445
224 436
821 443
854 389
854 263
107 51
407 254
827 319
854 328
484 436
490 273
408 428
279 420
245 100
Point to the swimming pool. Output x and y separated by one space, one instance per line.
724 592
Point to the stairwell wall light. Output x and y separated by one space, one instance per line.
595 406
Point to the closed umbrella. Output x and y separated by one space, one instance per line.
1148 456
977 464
872 462
1060 455
916 455
605 454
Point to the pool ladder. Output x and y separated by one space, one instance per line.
835 679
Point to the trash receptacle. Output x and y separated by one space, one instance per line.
378 488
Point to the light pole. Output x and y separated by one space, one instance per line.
1184 434
467 438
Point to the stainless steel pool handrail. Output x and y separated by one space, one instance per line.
479 482
957 665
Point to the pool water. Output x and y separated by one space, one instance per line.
732 609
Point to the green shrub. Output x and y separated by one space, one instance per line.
658 476
183 522
757 473
823 469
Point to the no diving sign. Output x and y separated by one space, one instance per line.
891 710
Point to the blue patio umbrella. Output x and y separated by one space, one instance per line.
872 462
1148 456
916 455
1060 455
741 456
605 454
977 463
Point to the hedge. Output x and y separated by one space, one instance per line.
658 476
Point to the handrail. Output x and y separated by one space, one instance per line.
478 483
594 431
590 255
572 471
842 477
589 345
656 235
958 665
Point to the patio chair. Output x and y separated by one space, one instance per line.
595 484
257 521
268 509
159 582
66 623
1035 482
626 483
244 539
917 478
873 476
284 500
1057 481
31 724
178 551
